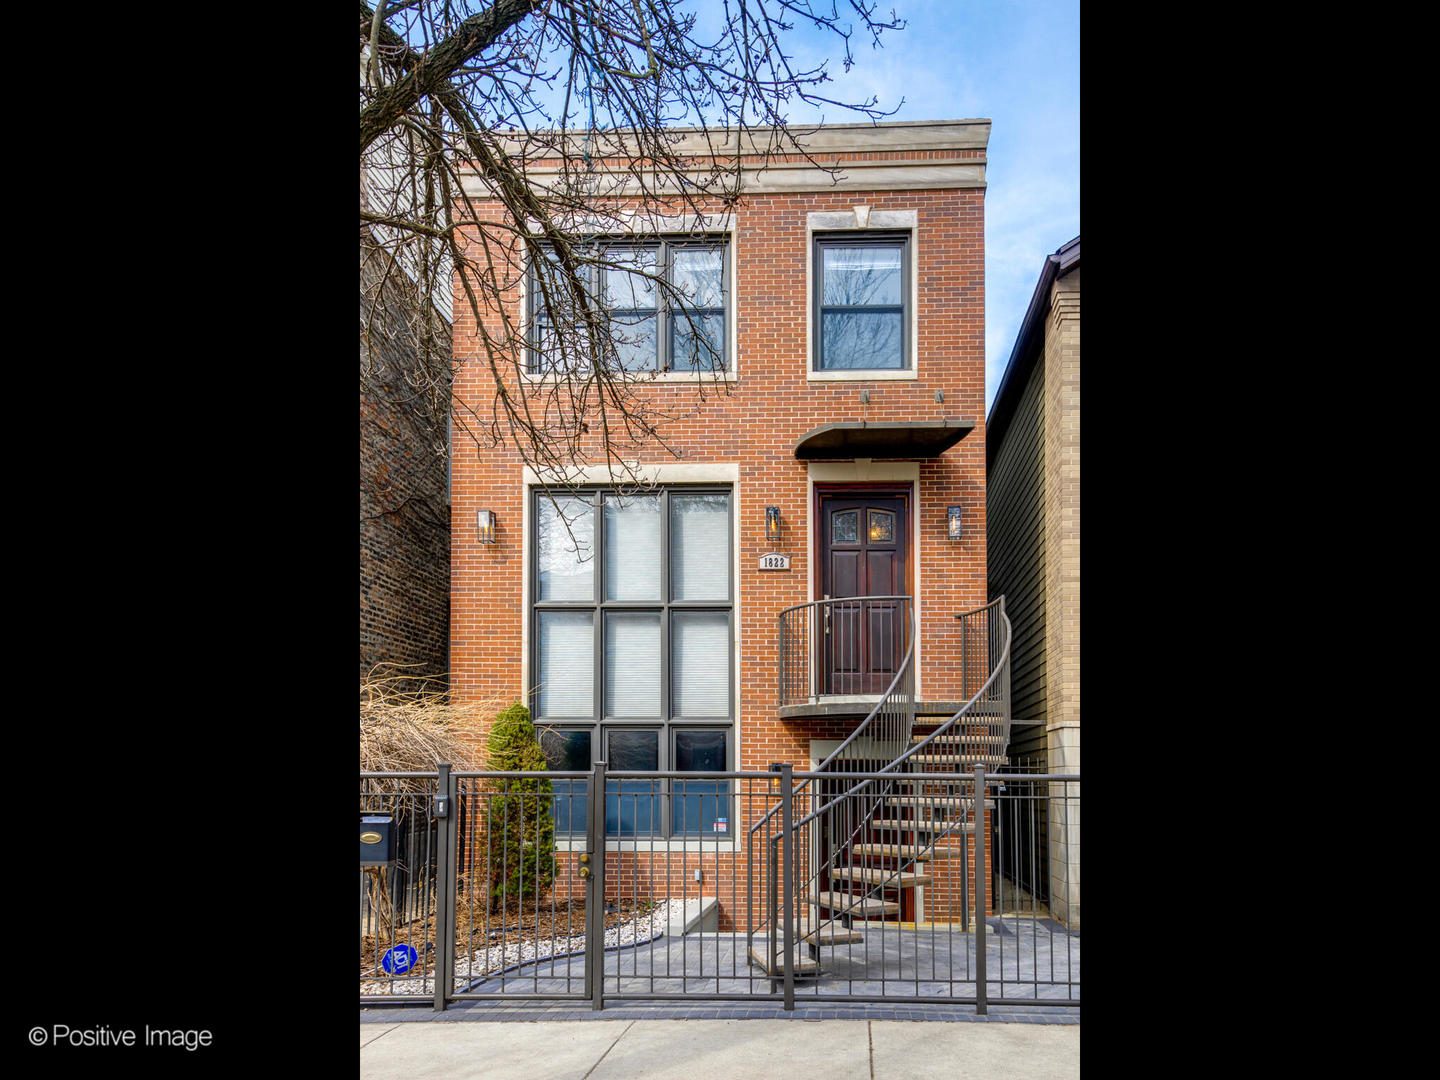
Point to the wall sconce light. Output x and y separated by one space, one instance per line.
772 524
952 521
485 525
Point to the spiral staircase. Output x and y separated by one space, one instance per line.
865 849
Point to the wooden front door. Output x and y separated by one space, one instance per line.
864 551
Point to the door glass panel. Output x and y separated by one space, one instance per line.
565 751
882 526
845 527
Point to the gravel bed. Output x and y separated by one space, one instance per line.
496 958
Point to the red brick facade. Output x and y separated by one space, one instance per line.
755 428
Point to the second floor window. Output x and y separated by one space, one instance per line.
666 302
862 302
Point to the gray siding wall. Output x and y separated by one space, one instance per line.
1015 511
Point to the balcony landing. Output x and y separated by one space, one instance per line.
858 707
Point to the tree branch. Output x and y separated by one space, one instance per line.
433 71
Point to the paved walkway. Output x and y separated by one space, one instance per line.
1024 959
619 1049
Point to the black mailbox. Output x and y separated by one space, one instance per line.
377 839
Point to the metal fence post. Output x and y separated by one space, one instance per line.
787 817
772 902
749 892
981 1008
595 892
444 885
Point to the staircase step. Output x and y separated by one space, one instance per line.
954 759
923 826
855 905
803 965
829 932
902 851
952 802
951 737
879 875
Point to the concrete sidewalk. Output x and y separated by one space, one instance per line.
719 1050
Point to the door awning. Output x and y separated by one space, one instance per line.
881 439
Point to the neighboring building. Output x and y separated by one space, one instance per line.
404 500
1033 478
404 451
661 651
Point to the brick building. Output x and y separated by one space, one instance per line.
852 425
404 428
404 502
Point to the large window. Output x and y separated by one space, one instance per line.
632 614
862 301
653 329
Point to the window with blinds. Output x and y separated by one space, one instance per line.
632 609
862 294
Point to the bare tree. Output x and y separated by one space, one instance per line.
503 141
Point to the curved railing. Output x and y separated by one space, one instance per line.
985 716
842 646
891 721
981 737
984 719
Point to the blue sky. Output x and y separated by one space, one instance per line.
1017 63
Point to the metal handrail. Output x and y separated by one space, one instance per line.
805 639
901 672
993 738
1003 736
963 711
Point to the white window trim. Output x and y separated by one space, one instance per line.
863 219
715 225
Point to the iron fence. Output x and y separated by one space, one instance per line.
775 886
399 899
1021 834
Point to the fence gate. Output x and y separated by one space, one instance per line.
527 878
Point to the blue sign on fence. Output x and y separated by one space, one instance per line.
399 960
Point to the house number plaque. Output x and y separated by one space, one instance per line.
774 562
